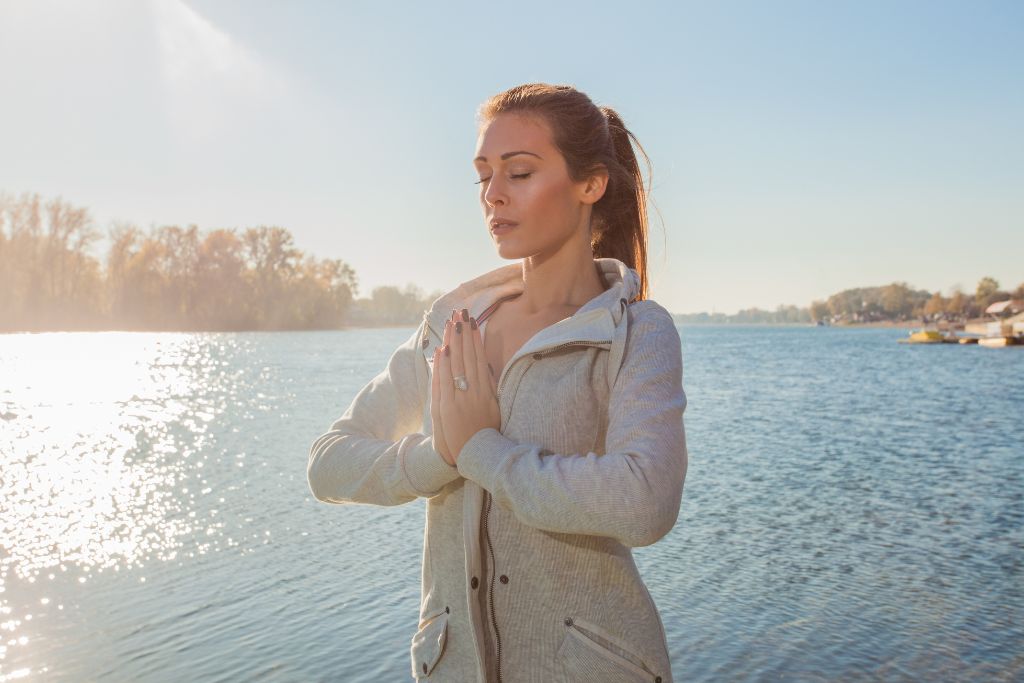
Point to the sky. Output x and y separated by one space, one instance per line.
798 148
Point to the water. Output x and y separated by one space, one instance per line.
852 511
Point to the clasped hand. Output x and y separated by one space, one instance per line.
456 415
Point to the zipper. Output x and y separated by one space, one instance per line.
439 337
483 316
489 498
580 342
487 494
490 597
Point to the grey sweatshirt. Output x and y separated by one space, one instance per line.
528 573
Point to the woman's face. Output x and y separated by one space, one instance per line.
525 181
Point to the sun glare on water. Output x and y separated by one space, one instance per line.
101 437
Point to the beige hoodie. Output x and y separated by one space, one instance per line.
528 573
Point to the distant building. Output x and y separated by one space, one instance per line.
1006 318
1006 308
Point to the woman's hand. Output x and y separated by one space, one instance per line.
440 445
457 415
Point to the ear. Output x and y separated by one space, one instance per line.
593 188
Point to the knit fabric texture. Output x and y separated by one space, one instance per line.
528 572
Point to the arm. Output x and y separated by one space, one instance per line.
374 452
632 492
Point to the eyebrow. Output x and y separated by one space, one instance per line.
506 155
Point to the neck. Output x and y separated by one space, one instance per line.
566 278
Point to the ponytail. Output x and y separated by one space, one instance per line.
622 211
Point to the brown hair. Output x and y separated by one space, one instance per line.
590 137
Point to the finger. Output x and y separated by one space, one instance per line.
458 341
435 409
435 384
483 373
469 362
469 354
446 341
444 372
435 391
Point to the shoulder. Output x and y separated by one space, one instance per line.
648 317
653 353
651 336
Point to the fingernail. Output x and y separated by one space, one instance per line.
465 315
447 350
458 327
472 323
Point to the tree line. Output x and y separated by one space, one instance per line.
900 302
893 302
174 278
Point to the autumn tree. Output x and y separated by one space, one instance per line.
49 278
987 286
896 300
958 303
819 310
936 305
223 301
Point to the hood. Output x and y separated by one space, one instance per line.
622 282
595 321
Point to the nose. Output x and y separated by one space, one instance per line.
494 194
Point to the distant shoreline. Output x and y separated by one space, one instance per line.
883 323
880 323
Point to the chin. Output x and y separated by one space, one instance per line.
508 249
507 253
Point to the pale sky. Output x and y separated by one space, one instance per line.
799 148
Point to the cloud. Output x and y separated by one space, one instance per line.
211 82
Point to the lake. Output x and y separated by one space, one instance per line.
853 510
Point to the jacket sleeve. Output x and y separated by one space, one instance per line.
631 492
374 452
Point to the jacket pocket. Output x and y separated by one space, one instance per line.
428 644
592 654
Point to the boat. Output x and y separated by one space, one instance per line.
929 337
1000 341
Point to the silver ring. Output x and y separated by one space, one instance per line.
460 383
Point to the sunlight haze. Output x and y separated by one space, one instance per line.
798 148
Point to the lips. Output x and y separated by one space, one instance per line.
499 223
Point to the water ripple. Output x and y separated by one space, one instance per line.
853 510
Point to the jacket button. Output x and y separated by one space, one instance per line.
657 679
426 342
538 356
568 621
448 611
474 583
503 578
424 667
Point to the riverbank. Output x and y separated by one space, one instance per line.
905 324
880 323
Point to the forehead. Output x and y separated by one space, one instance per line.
510 132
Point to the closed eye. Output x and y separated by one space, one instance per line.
516 176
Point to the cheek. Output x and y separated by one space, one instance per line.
550 202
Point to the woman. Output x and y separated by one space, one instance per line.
538 411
